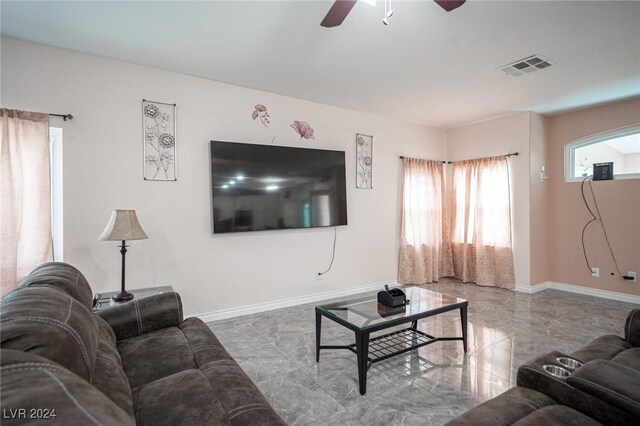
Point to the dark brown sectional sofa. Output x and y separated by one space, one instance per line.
602 389
135 363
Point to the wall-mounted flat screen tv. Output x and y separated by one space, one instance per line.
263 187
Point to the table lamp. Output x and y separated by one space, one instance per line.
123 225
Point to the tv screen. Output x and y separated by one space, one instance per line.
262 187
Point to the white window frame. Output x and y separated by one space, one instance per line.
55 146
570 148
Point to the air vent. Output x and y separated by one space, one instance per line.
526 66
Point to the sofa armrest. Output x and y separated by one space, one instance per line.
145 315
632 328
613 383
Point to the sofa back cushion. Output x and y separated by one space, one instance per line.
62 276
109 376
46 321
35 390
632 327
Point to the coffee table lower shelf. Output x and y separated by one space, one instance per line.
392 344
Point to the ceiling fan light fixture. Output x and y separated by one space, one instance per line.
388 12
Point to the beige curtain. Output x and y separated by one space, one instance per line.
25 211
481 222
425 251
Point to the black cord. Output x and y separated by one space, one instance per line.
333 256
606 237
584 228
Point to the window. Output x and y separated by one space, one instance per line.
55 150
621 147
482 205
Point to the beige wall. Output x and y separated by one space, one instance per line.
496 137
540 201
619 203
103 171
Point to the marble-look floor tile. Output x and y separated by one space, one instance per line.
297 398
463 385
427 386
404 405
341 418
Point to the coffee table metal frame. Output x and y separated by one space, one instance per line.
379 348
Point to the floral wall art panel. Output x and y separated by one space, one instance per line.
364 161
159 130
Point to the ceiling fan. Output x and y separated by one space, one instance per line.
341 8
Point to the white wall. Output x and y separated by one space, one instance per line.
500 136
103 171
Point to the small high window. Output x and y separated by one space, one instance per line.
620 147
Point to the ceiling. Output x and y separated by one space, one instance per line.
427 66
629 144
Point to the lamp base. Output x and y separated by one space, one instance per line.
123 296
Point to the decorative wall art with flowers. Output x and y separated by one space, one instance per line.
364 161
159 134
302 128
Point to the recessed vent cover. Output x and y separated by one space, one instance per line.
526 66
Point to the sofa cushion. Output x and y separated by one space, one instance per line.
56 395
62 276
242 401
46 321
604 347
613 383
205 345
557 415
183 398
632 327
109 376
629 358
155 355
144 315
505 409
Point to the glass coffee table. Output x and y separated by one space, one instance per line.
364 315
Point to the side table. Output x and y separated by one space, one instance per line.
139 293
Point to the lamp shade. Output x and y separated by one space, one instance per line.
123 225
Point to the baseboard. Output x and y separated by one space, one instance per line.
588 291
531 289
262 307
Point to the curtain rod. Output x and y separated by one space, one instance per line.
65 117
402 157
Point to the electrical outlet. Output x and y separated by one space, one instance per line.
318 276
632 274
595 272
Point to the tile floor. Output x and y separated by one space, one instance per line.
425 387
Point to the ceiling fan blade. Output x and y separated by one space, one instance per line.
339 10
449 5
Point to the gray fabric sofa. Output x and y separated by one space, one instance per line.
134 363
604 390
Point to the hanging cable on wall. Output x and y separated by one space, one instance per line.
597 218
586 225
333 256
